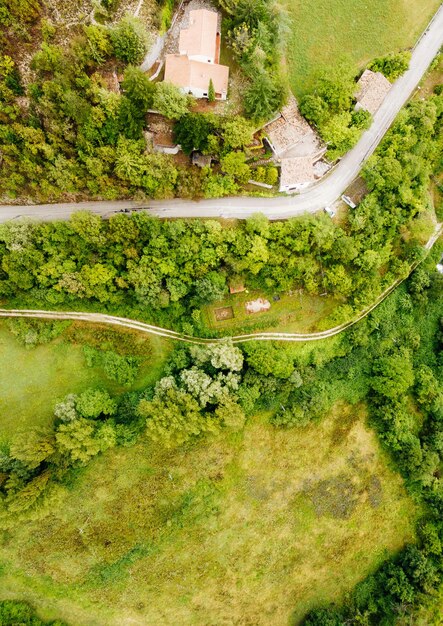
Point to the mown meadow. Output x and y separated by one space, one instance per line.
325 31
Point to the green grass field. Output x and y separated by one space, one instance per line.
247 528
33 380
324 31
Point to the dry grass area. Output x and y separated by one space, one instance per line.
252 528
433 78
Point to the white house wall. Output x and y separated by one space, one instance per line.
200 57
200 93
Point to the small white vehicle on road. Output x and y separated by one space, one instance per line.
348 201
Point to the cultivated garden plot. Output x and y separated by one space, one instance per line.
297 312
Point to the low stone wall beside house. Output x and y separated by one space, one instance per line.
264 185
167 149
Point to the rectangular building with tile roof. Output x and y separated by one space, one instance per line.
289 131
197 65
194 76
199 40
373 88
296 174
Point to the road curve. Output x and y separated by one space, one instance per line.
124 322
314 198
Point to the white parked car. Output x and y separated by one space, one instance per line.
348 201
329 211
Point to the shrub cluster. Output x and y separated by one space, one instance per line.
255 34
392 65
330 108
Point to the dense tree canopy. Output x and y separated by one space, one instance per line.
136 261
255 34
330 107
391 65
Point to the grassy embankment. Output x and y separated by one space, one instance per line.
325 30
33 380
243 528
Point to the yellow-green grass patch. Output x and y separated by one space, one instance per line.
433 78
324 31
33 380
249 528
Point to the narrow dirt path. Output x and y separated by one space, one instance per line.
124 322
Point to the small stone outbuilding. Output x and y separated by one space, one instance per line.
373 88
296 174
290 135
201 160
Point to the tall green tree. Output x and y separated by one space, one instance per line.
170 101
138 88
130 40
262 97
192 131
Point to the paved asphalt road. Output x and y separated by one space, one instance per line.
316 197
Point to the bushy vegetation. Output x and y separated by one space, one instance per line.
31 333
256 36
330 107
15 15
392 65
162 269
405 395
122 369
130 40
14 613
198 395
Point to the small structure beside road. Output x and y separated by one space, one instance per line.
297 148
373 88
201 160
296 173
